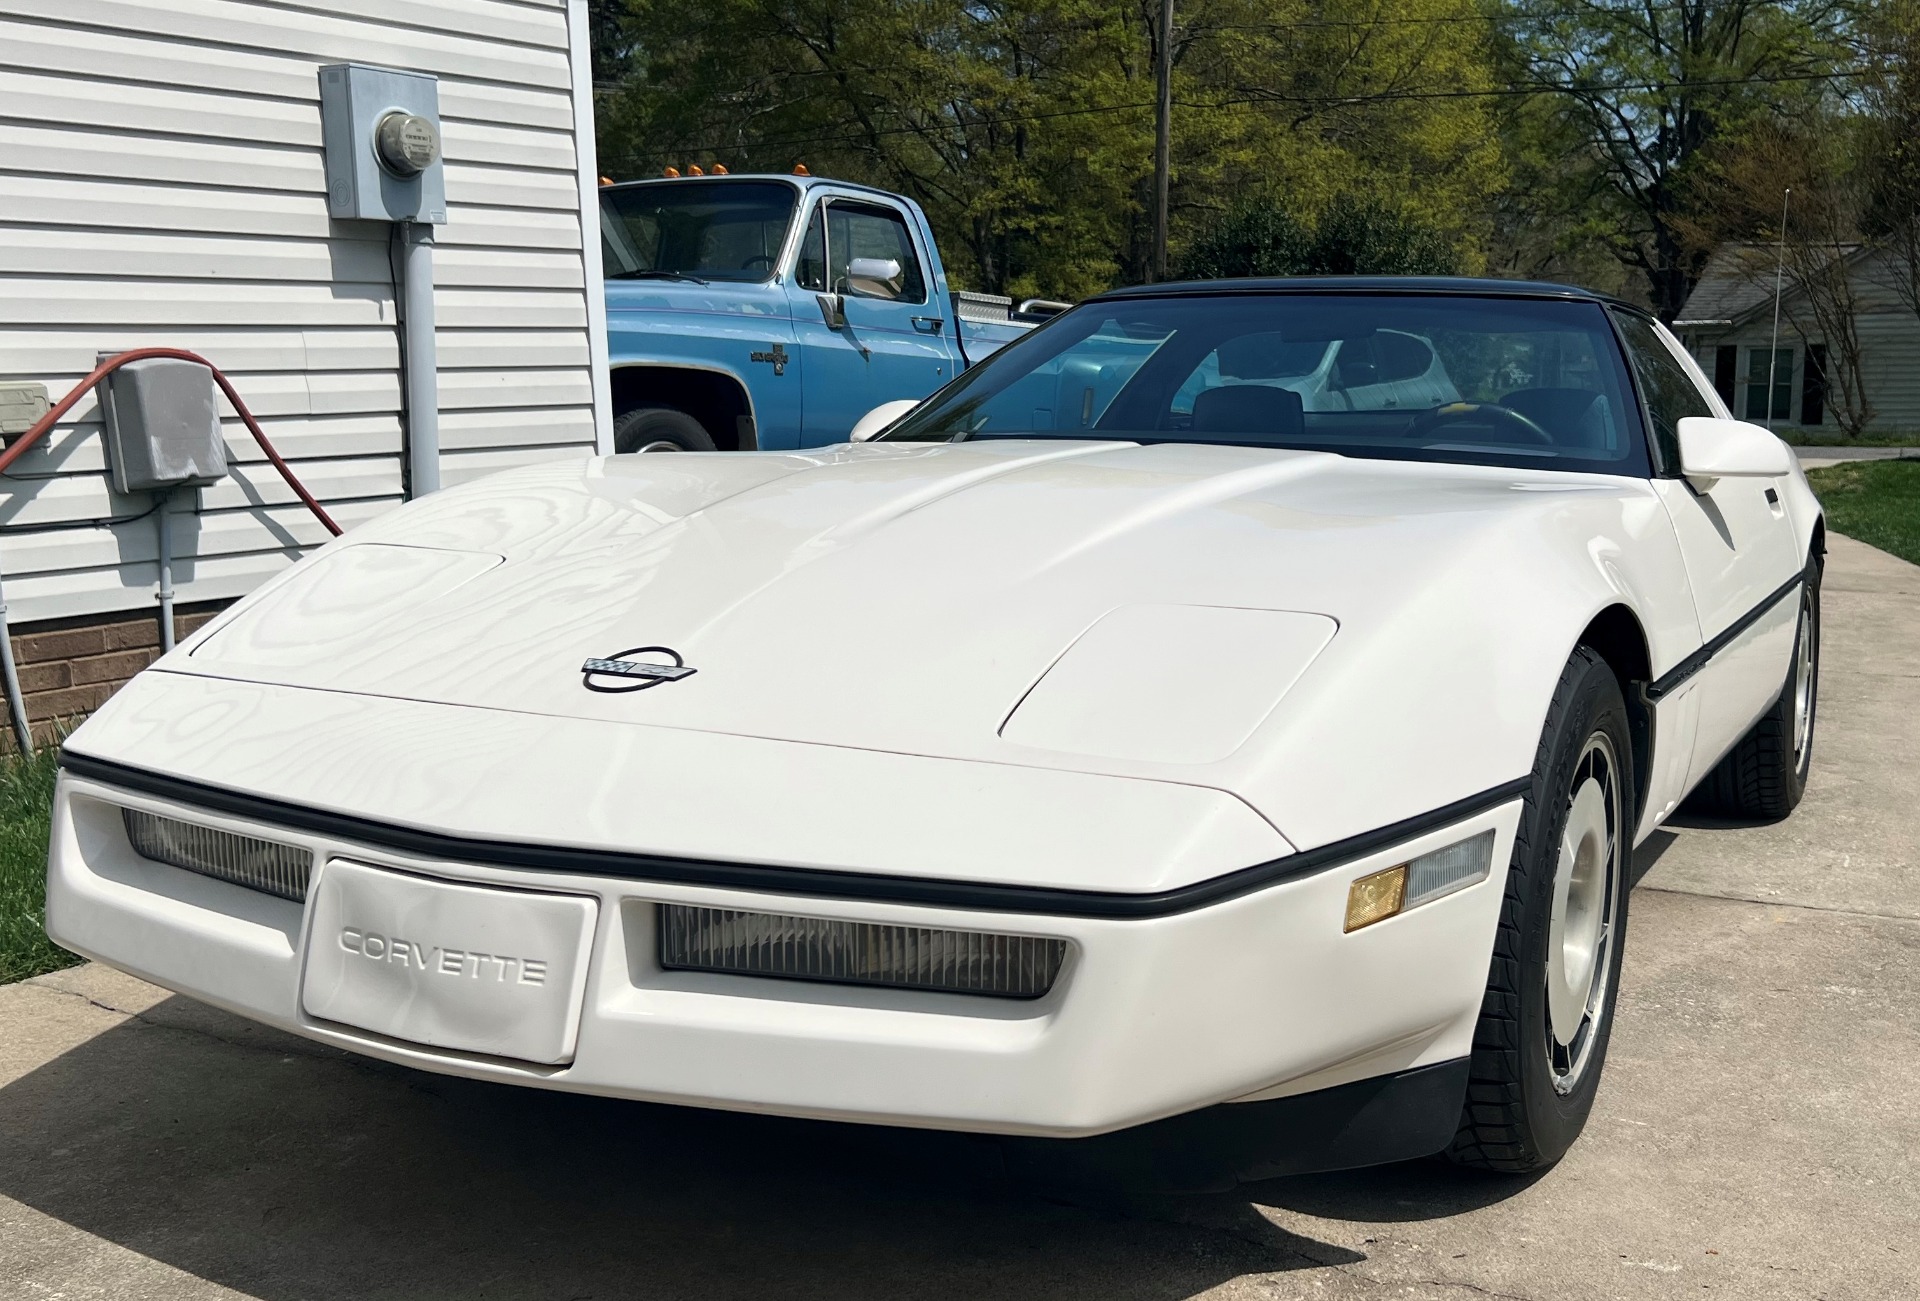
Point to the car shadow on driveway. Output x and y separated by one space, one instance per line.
284 1169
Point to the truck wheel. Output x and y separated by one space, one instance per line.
659 429
1548 1011
1765 774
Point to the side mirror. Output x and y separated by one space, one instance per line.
833 310
1712 449
874 277
876 421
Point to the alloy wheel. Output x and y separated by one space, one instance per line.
1586 886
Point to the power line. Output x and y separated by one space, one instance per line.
1502 16
1268 97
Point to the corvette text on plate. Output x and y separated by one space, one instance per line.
442 961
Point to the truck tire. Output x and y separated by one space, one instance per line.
659 429
1765 774
1548 1011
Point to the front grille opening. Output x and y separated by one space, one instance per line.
264 865
857 953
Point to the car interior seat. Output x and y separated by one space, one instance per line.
1249 409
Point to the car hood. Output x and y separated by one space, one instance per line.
907 598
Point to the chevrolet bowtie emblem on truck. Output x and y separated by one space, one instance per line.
641 674
778 356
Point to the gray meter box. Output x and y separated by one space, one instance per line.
162 427
381 133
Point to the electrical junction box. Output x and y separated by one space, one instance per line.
21 404
381 133
162 427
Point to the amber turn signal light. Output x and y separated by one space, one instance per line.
1376 897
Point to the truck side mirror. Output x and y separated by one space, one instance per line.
1712 449
833 310
874 277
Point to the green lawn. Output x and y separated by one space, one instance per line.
1883 438
1875 502
26 798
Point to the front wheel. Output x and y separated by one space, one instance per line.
659 429
1548 1011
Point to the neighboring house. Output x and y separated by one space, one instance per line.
1728 324
161 183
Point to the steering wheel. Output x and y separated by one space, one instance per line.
758 257
1427 421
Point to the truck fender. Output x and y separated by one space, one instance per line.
716 396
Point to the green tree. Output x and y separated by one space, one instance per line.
1024 127
1350 237
1890 145
1648 90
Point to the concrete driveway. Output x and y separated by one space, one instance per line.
1757 1135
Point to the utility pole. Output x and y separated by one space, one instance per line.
1779 281
1162 140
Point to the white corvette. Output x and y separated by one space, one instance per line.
1096 752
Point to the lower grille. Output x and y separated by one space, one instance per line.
265 865
857 953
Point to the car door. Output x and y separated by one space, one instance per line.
889 338
1737 544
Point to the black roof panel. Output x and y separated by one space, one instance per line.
1362 285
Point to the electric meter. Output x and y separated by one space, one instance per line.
381 131
407 143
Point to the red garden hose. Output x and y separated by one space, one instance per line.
111 364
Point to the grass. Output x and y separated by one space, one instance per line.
1875 502
26 806
1886 438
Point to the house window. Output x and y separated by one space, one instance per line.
1726 360
1758 373
1813 386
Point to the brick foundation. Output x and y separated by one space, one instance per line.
68 667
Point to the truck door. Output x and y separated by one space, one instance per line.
889 336
1738 546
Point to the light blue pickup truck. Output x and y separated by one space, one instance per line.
775 311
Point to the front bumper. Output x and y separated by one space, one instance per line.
1255 997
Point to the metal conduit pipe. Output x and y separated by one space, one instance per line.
16 703
163 510
421 357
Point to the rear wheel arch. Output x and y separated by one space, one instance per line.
1615 635
719 401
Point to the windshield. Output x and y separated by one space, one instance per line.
1502 381
695 230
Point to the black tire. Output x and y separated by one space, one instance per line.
659 429
1522 1110
1765 774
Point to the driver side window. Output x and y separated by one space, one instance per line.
863 230
1669 390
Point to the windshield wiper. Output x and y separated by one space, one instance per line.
657 275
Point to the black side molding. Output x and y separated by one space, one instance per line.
811 882
1693 663
1399 1117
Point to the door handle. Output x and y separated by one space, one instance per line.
929 324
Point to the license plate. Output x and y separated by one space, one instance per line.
463 967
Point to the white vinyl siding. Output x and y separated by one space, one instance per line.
161 183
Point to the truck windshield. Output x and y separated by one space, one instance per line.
695 230
1535 382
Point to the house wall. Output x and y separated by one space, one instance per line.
161 183
1889 334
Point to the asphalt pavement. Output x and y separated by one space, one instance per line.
1756 1135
